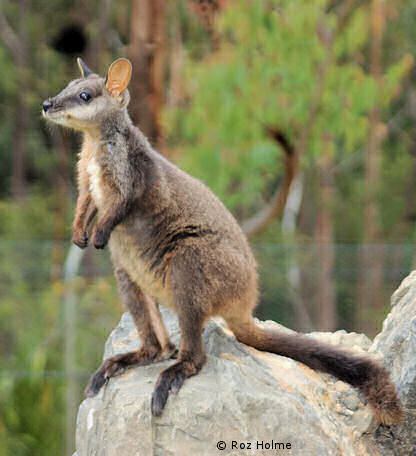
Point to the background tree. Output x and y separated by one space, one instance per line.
299 114
317 95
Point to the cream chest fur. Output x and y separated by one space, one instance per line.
95 180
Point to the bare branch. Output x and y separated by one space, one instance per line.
275 207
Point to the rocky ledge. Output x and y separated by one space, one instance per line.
249 402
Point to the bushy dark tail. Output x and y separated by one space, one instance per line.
360 371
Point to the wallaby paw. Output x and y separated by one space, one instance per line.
169 381
101 378
118 364
168 352
80 240
174 354
97 381
159 398
100 239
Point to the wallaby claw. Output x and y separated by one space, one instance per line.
100 239
97 381
80 241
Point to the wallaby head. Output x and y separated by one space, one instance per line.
84 102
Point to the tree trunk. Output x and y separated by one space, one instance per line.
21 122
99 44
293 269
370 300
176 62
147 53
71 269
20 129
61 184
324 236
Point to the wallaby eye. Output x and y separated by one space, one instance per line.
85 96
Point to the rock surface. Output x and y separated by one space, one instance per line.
254 398
397 343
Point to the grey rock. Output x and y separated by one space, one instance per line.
253 398
397 344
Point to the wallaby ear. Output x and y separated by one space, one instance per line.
83 68
118 77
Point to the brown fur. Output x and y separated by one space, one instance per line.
173 241
360 371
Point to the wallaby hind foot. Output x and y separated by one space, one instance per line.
171 381
117 364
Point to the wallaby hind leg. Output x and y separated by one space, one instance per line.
152 332
191 358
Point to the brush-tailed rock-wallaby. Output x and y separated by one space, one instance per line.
172 241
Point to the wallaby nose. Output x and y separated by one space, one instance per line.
47 104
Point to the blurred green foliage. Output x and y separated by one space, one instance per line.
32 381
275 57
274 70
